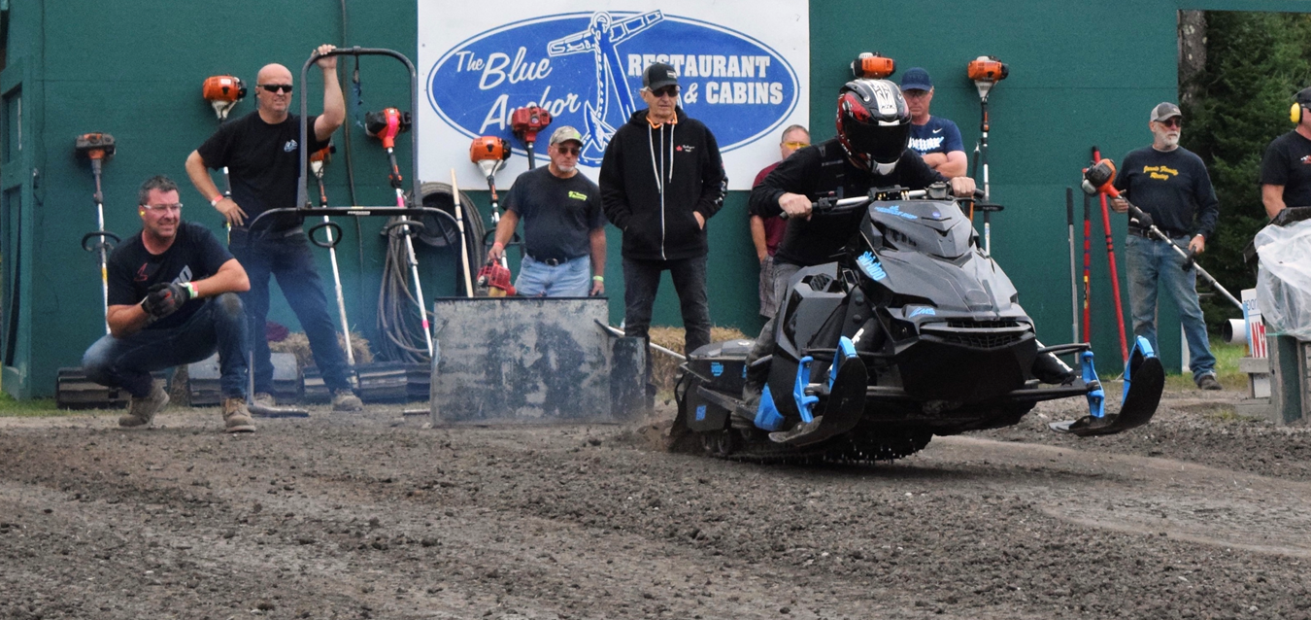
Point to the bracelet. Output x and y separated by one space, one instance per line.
190 289
599 278
214 202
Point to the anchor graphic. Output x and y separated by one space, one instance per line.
601 38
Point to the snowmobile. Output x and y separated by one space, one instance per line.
912 331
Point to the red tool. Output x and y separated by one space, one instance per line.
526 122
494 279
1102 190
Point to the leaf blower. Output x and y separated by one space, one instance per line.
1100 178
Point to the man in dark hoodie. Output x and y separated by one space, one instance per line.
661 179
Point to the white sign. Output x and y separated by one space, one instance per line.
743 71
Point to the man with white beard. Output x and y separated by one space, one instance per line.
564 226
1171 184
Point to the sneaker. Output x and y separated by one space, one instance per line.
346 400
236 419
143 410
1209 382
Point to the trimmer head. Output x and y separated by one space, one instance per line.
386 124
96 146
223 92
986 71
490 153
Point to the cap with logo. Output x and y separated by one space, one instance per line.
916 78
565 134
659 75
1165 110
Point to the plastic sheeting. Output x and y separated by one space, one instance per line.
1283 283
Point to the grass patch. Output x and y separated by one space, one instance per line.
1229 416
1226 368
38 407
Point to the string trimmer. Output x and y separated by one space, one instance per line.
385 126
99 147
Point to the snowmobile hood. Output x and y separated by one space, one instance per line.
937 228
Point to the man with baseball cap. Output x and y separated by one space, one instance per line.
661 179
1171 184
936 139
563 225
1286 167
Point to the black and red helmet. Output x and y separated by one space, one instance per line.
873 124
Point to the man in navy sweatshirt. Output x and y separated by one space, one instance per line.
661 180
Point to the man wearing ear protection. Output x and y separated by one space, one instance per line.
1286 167
1169 183
172 301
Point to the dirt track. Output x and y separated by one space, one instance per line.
1198 515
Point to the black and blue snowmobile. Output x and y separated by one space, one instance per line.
912 331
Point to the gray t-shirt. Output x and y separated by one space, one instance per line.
558 214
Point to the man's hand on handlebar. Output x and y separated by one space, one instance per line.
962 187
795 205
1119 205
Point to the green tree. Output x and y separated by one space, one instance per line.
1255 63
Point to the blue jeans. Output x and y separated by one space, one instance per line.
642 281
572 278
1152 266
287 256
218 326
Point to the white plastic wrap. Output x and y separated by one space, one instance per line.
1283 283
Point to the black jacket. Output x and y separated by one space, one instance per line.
823 170
659 225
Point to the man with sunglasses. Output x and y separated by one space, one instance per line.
767 231
661 180
172 301
1286 165
262 155
563 226
1170 184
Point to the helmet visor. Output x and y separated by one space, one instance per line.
883 141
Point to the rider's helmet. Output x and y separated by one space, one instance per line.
873 124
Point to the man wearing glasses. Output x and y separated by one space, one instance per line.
767 231
1171 184
936 139
563 226
261 152
661 179
172 301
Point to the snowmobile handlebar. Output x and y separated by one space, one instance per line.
833 206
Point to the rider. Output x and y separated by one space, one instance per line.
873 124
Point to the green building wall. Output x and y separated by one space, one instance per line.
1082 74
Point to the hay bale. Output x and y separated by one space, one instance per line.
298 344
664 367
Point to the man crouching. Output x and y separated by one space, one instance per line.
172 301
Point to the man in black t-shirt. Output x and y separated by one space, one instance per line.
261 152
172 301
563 225
1169 183
1286 167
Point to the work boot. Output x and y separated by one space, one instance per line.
264 400
1209 382
346 400
236 419
143 409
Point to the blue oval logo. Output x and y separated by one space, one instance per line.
586 69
